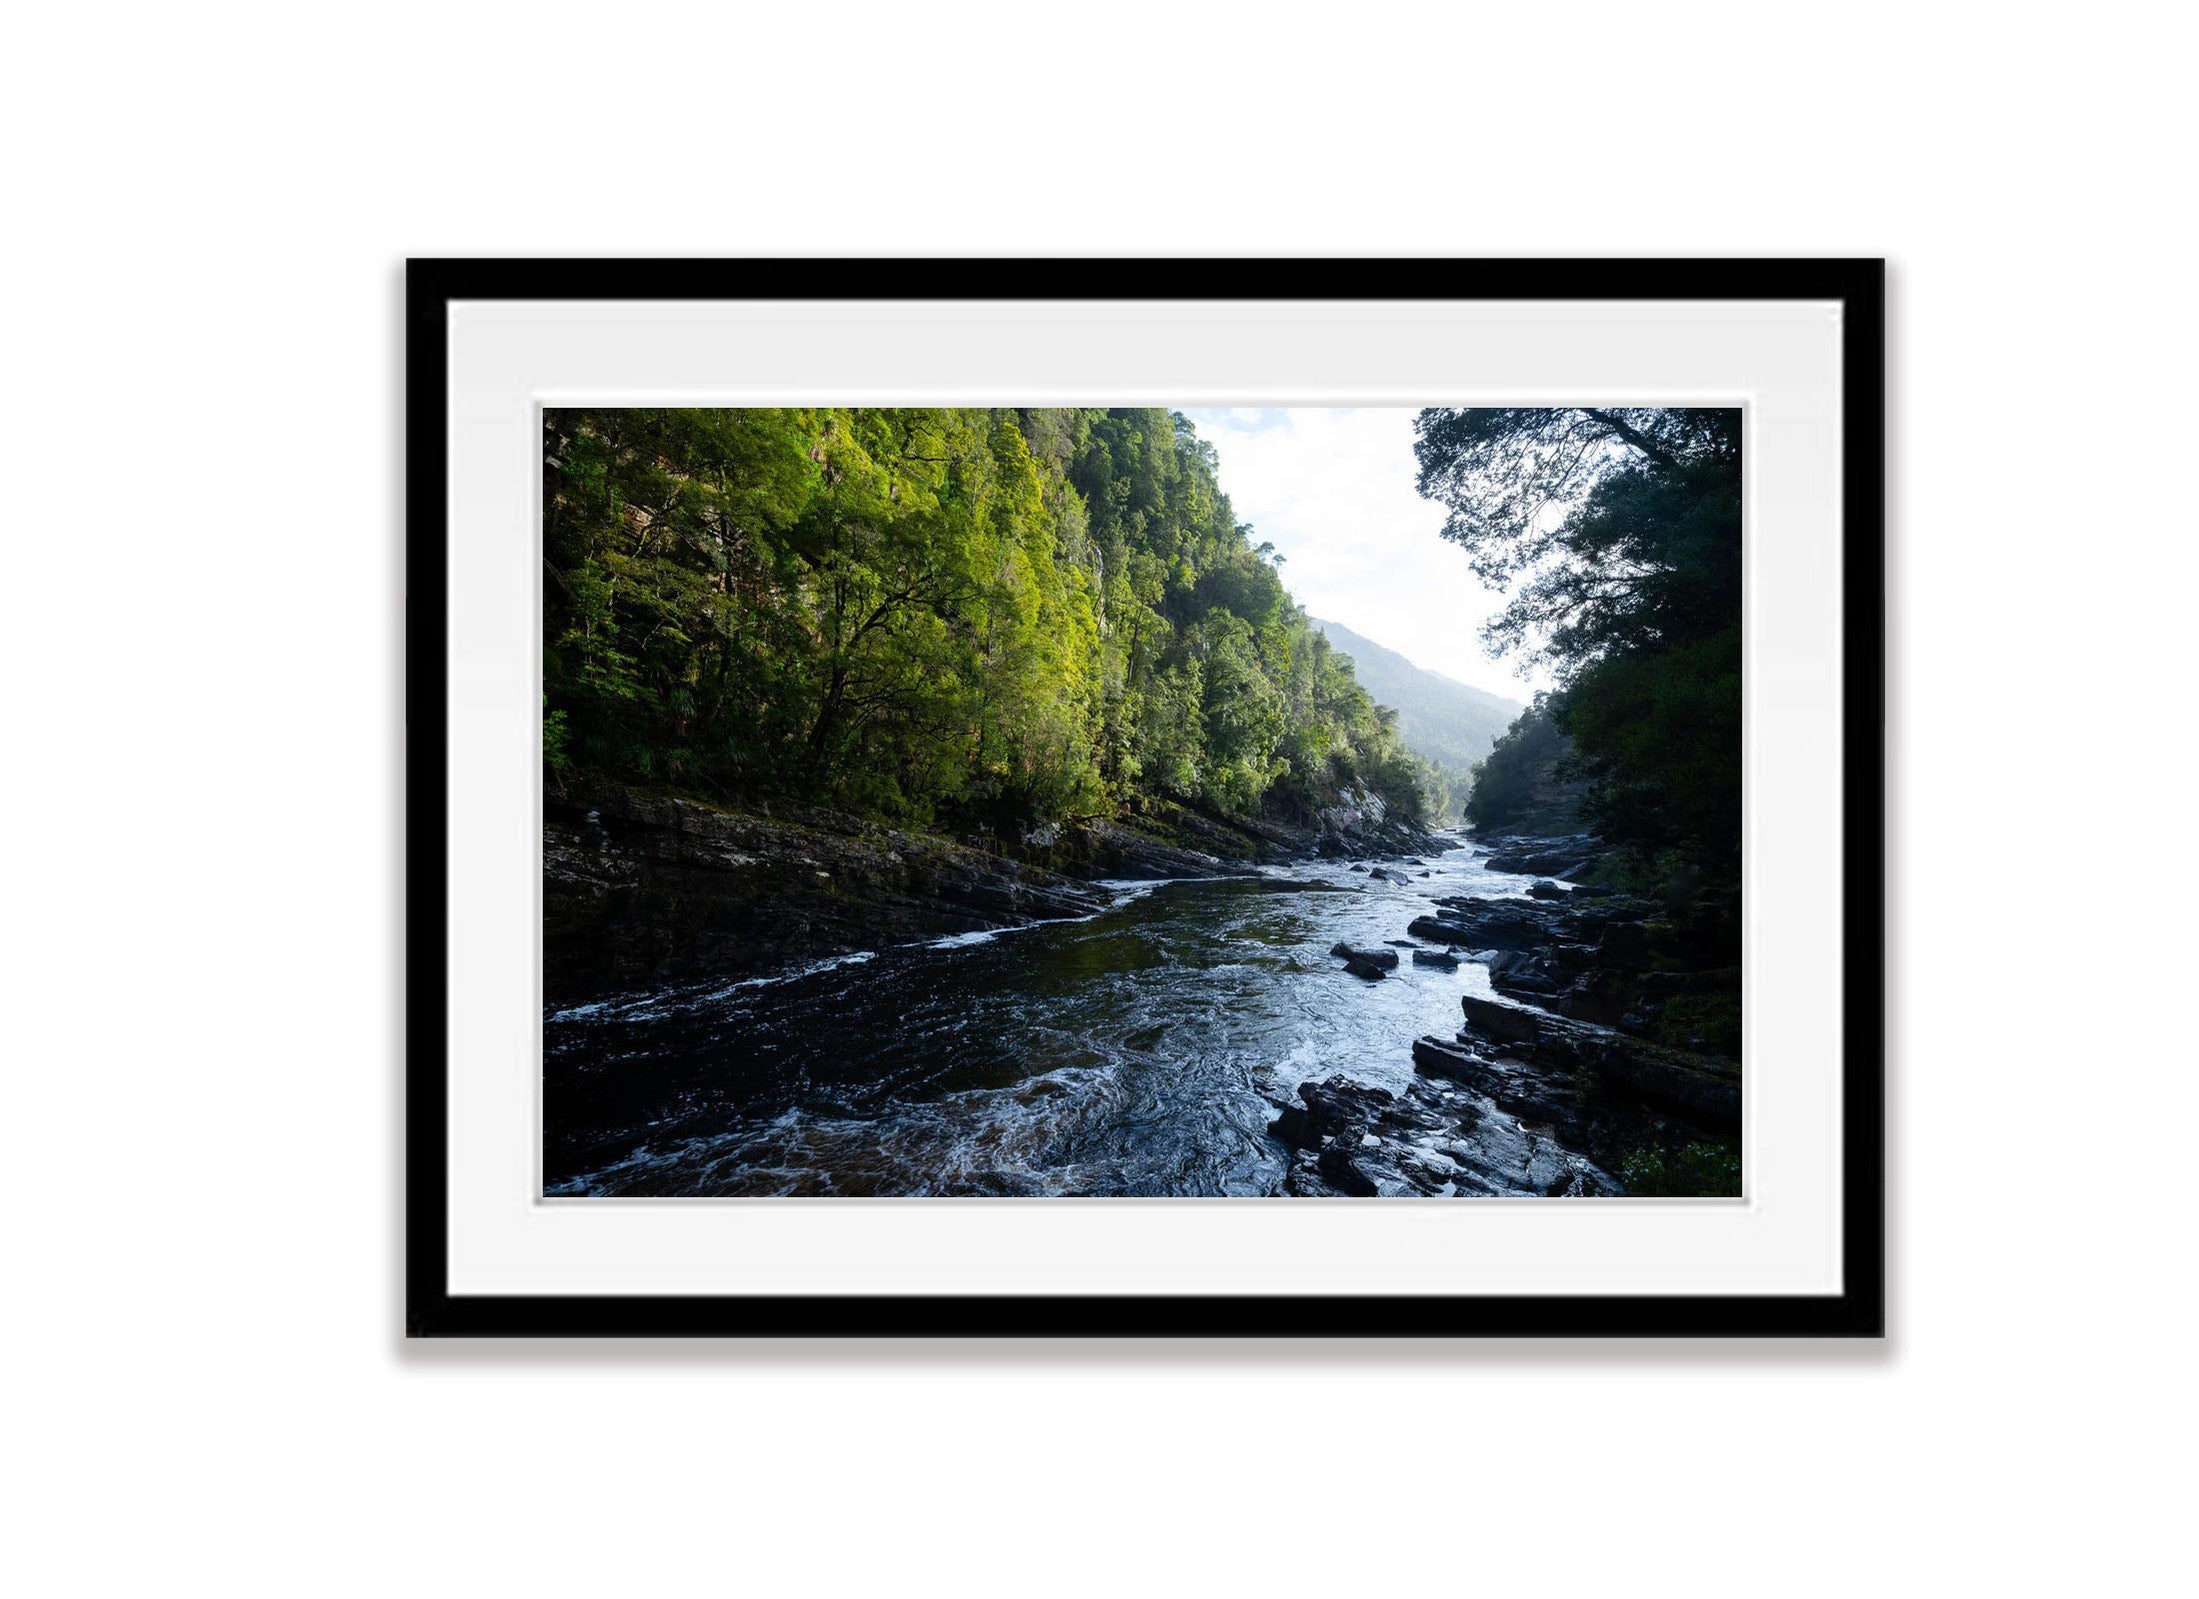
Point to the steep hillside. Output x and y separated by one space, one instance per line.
1438 717
986 623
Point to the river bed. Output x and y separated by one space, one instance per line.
1141 1051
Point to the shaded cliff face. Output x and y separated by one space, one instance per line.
642 887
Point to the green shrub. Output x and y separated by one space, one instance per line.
1692 1171
1708 1022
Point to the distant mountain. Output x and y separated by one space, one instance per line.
1449 723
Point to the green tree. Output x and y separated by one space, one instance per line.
1619 532
1514 785
983 618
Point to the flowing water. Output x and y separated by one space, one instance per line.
1141 1051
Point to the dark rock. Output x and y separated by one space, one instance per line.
1533 986
1363 824
1500 923
1543 1093
1372 971
1508 962
641 887
1437 1057
1507 1022
1339 1168
1597 996
1386 958
1394 1153
1543 974
1422 1173
1419 1111
1303 1180
1543 888
1505 1158
1469 1124
1530 984
1508 926
1111 849
1158 838
1436 931
1564 857
1703 1088
1583 1181
1335 1108
1357 867
1435 957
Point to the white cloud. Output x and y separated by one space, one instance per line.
1333 489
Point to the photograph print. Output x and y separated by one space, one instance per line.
1098 802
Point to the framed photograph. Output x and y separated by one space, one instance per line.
986 797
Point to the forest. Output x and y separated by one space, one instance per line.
1450 724
957 619
912 770
1618 533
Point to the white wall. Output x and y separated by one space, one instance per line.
207 208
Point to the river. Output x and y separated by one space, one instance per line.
1143 1050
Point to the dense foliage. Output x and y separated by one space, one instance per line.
1621 530
1691 1171
987 618
1519 785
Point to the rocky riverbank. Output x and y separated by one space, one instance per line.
642 887
1610 1059
1600 1058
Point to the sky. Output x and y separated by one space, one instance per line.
1333 490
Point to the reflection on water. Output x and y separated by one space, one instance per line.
1143 1051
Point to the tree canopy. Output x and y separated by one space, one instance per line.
990 618
1619 533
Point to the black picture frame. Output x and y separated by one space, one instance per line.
431 1310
